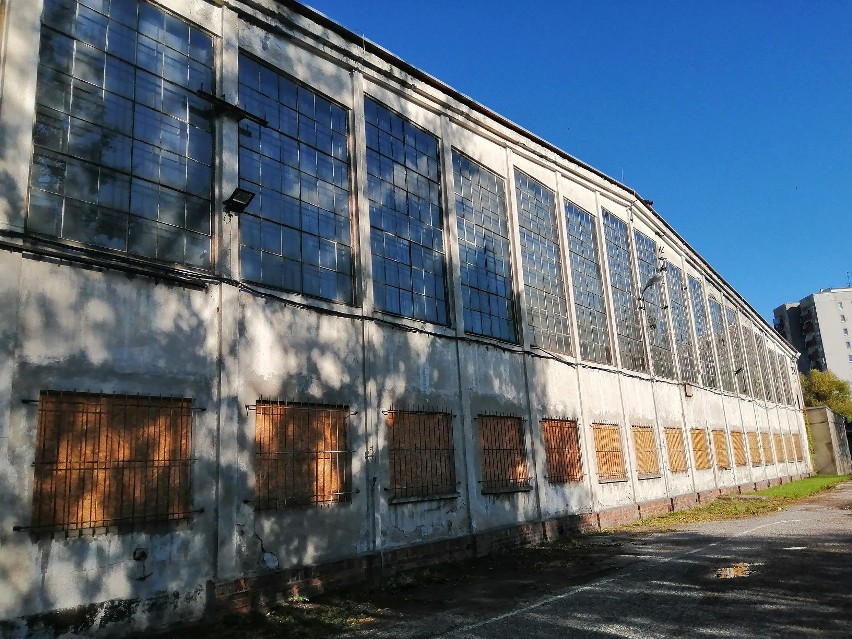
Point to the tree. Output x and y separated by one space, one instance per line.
824 388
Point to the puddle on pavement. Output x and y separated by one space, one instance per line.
741 569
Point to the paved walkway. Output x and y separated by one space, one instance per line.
787 575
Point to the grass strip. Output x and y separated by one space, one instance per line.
753 504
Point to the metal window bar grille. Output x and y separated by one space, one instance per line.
677 450
608 452
110 460
700 448
647 459
768 455
754 449
301 455
504 458
422 457
720 449
562 446
738 444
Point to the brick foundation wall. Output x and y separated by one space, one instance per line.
263 591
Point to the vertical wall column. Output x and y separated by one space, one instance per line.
17 108
230 477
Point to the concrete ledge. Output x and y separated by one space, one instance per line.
262 591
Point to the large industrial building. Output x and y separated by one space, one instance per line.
279 309
818 327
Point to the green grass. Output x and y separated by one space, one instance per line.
749 505
805 487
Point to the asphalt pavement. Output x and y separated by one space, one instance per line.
786 575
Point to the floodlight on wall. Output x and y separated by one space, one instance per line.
239 200
655 279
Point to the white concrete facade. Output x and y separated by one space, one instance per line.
80 318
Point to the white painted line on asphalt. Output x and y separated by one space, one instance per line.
578 589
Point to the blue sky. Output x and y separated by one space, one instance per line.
734 117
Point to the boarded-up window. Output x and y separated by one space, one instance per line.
504 456
738 443
700 448
754 449
647 459
608 452
110 460
780 458
797 443
677 450
562 444
768 455
788 446
720 448
422 462
301 455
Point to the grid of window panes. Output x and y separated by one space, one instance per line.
587 279
547 310
123 146
717 325
484 258
662 360
776 375
785 379
702 333
406 220
768 386
678 306
741 377
624 293
754 364
296 233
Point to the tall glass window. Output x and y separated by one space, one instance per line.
679 307
754 363
123 146
485 261
702 333
296 233
547 311
740 372
624 296
406 220
654 302
587 278
717 325
784 368
763 353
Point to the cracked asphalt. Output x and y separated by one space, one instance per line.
789 574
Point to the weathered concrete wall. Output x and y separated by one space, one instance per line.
72 319
831 447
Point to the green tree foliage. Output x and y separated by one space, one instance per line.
824 388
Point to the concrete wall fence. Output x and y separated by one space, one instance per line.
429 335
831 454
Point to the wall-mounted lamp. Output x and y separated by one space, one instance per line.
239 200
656 279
